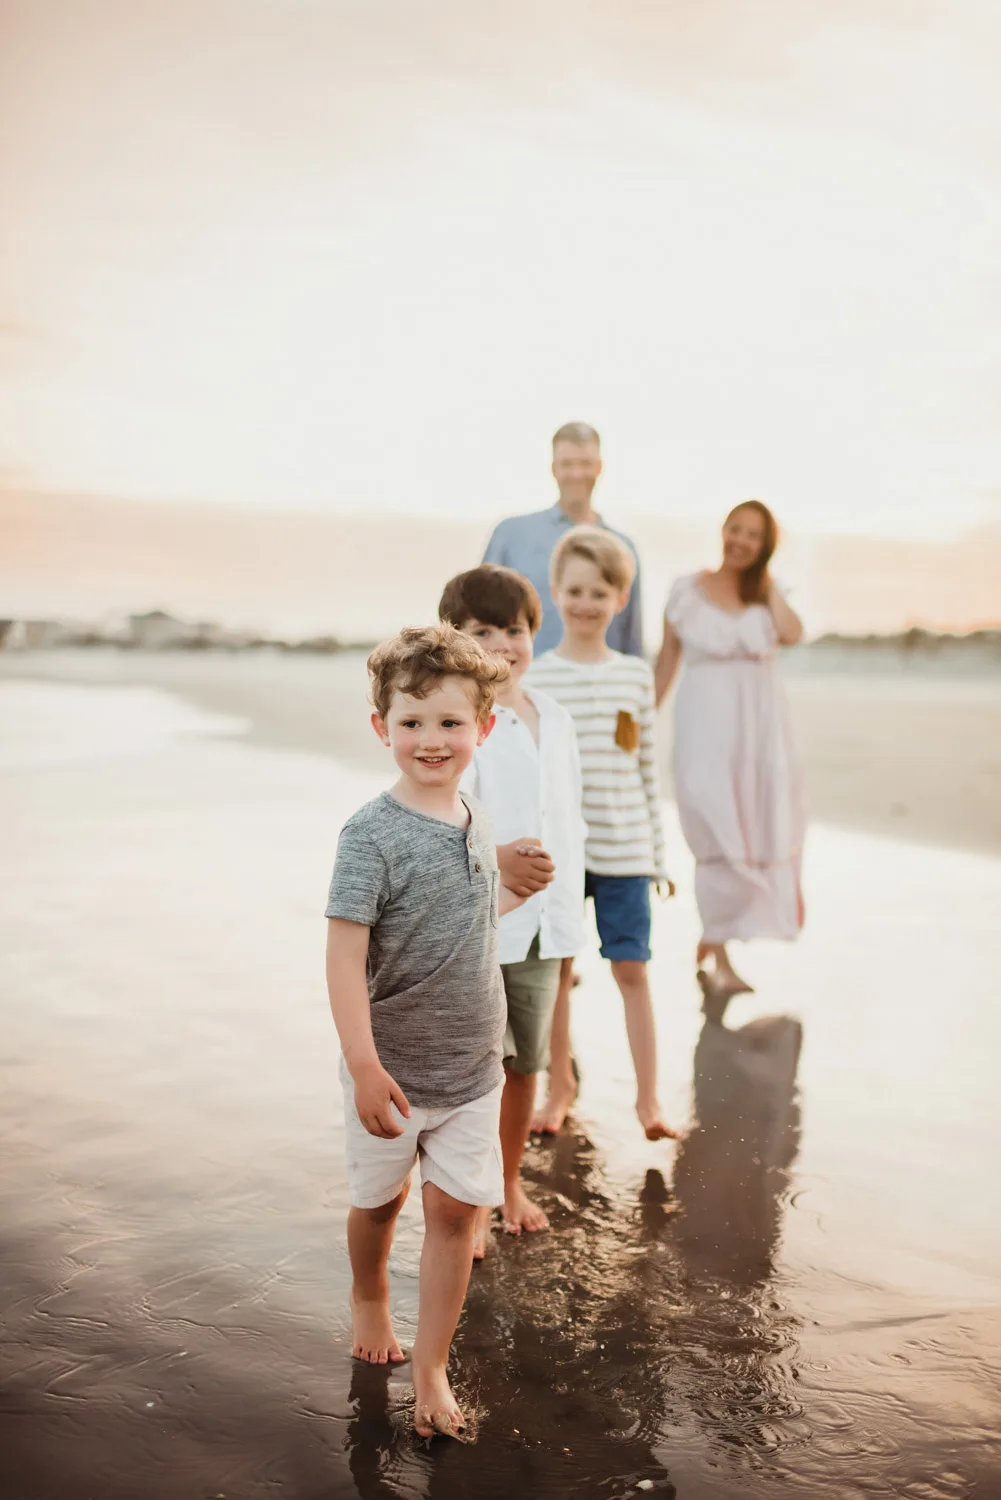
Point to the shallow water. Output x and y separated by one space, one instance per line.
802 1299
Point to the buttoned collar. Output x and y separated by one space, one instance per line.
562 519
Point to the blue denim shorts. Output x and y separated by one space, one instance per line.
622 911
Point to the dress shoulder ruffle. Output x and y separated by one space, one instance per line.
706 630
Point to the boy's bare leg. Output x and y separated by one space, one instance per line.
446 1261
370 1236
517 1102
631 977
562 1084
481 1232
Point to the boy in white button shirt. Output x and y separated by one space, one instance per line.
527 775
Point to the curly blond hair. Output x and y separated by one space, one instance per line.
417 659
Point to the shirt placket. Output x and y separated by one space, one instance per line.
474 859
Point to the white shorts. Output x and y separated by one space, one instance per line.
459 1151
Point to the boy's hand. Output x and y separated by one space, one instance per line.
375 1091
525 867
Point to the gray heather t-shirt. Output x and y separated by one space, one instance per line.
429 893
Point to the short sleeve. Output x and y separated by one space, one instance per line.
359 886
677 603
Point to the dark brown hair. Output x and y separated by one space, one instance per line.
492 595
416 660
754 582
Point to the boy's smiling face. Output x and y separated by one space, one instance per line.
433 739
511 642
587 602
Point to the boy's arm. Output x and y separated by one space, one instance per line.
507 900
347 986
651 781
521 872
524 873
576 778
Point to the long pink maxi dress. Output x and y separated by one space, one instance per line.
735 775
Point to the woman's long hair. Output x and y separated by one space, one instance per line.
754 582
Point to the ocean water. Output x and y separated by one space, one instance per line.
802 1298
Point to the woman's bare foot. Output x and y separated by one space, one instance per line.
480 1233
724 983
723 977
714 1001
521 1213
654 1127
372 1336
436 1409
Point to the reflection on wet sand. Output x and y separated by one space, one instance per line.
173 1279
595 1355
729 1177
641 1323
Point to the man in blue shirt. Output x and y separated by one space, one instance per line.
526 543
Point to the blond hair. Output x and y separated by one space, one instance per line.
579 433
609 554
415 661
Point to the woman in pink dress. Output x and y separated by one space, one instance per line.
735 775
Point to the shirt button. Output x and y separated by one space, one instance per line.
478 868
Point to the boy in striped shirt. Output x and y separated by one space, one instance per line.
609 696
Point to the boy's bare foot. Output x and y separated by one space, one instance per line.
654 1128
549 1119
436 1409
521 1213
480 1233
372 1336
560 1099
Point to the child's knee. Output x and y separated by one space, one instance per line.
448 1214
385 1211
629 973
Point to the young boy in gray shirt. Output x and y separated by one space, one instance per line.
416 993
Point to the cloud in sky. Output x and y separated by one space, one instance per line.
370 254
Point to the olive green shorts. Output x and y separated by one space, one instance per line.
531 988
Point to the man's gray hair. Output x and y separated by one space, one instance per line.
576 432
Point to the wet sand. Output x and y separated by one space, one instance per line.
803 1298
908 754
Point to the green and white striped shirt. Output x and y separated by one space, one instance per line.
625 833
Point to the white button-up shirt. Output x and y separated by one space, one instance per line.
534 791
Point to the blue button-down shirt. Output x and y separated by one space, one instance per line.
526 544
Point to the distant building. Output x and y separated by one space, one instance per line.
157 631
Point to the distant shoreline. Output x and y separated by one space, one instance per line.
911 751
158 630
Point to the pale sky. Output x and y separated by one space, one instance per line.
366 255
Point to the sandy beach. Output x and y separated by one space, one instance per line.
908 754
801 1299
